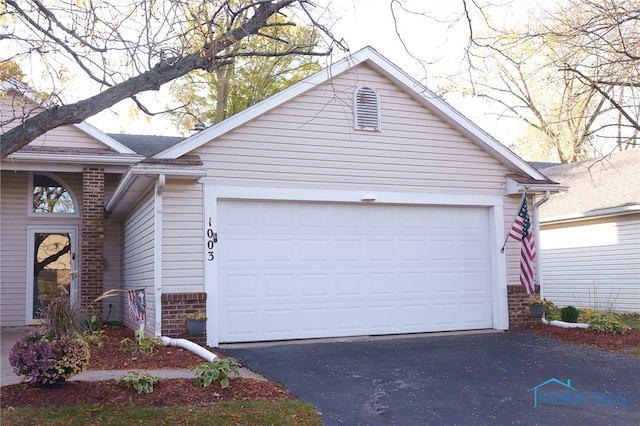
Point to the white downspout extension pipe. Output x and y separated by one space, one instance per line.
190 346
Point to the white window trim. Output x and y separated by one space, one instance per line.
30 211
356 109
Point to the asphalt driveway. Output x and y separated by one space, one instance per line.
494 378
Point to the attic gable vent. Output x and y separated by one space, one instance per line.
366 105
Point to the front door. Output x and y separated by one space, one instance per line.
51 266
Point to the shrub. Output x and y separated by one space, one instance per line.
147 345
141 382
586 315
217 370
569 314
551 311
45 360
604 322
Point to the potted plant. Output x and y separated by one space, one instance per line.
196 322
536 307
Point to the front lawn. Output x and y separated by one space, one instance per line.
287 412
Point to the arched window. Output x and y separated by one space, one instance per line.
50 196
366 105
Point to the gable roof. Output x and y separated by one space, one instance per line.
603 186
106 140
380 64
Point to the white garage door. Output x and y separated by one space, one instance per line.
290 270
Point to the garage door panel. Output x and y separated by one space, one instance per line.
341 270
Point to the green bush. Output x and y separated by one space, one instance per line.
217 370
605 322
147 345
141 382
551 311
569 314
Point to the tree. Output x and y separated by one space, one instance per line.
569 74
131 48
209 98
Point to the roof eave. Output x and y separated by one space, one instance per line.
71 158
138 179
595 214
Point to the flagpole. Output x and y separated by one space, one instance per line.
524 194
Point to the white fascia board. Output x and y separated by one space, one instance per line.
596 214
514 187
128 159
104 138
152 170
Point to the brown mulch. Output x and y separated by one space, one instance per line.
619 343
182 392
167 393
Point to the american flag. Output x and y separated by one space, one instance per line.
520 231
137 306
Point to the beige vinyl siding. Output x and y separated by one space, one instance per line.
68 137
182 239
512 248
311 141
137 256
111 269
593 270
14 223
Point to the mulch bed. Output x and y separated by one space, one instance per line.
167 393
183 392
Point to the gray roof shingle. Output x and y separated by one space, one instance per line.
146 145
595 184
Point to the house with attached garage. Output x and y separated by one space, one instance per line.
355 202
590 236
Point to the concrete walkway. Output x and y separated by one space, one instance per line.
10 335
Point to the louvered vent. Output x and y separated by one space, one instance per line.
367 108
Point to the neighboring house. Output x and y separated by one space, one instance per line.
355 202
590 236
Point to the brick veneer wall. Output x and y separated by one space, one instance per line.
92 240
176 307
519 315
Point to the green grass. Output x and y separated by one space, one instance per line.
223 413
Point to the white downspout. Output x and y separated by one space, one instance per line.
536 235
157 248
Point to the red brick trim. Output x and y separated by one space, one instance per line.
519 315
92 238
176 307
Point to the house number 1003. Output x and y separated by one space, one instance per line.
212 238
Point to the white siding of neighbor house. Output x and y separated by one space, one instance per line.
137 257
14 223
182 240
593 263
309 142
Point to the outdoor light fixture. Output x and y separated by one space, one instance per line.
368 196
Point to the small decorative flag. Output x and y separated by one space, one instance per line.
137 306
